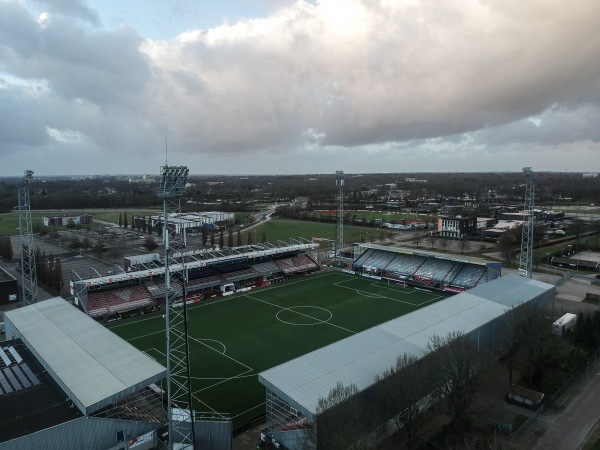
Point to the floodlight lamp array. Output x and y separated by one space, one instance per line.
173 181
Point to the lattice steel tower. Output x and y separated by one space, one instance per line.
526 255
181 431
28 272
339 235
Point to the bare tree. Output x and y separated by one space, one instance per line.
457 368
444 243
150 244
464 244
432 239
408 385
418 239
506 243
341 433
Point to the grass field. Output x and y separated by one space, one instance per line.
234 338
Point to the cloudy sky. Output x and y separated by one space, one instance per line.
282 86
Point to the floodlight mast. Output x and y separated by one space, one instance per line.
339 240
181 418
526 255
28 271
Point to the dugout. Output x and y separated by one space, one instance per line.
9 291
295 388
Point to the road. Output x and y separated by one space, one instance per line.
570 427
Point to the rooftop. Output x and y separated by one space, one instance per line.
94 366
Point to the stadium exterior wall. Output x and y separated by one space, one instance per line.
360 417
90 433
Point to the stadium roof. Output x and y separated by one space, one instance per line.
94 366
360 358
429 254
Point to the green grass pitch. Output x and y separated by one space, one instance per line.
234 338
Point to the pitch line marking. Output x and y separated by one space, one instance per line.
223 354
299 313
250 409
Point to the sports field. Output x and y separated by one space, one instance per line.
234 338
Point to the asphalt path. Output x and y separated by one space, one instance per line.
570 427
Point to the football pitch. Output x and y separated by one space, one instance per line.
234 338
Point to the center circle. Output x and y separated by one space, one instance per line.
304 315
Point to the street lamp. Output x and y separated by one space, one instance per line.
569 248
547 265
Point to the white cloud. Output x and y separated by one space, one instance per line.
387 79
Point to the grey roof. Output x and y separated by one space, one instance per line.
94 366
360 358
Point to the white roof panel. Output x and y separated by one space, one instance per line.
94 365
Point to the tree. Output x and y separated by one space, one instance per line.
341 432
444 243
204 236
457 366
86 243
249 238
99 248
418 240
432 239
212 237
221 239
125 222
230 238
159 227
264 237
239 238
120 220
464 244
506 243
150 244
407 387
149 224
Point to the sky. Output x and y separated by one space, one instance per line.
290 87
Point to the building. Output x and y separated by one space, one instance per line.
9 291
66 221
295 387
69 383
195 221
456 227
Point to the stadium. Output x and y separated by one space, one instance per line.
271 332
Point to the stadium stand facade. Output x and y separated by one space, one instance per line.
446 272
295 388
209 274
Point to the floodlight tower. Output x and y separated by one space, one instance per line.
526 255
181 430
339 236
28 272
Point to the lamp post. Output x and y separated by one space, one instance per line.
569 248
547 265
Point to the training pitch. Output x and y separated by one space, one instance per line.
234 338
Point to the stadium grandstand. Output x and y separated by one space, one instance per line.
296 389
446 272
140 287
67 382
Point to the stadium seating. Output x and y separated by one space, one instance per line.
405 264
117 300
469 276
435 268
362 259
